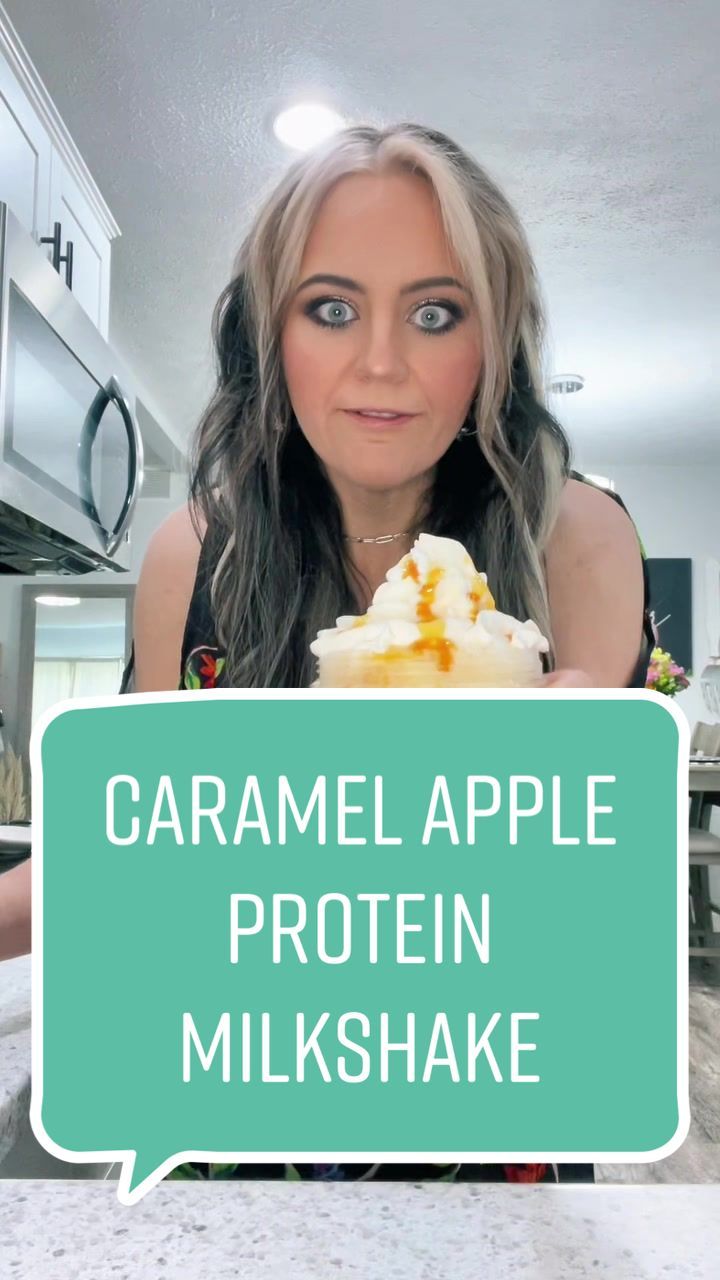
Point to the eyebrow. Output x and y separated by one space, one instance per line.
431 282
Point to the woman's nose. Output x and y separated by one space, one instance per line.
381 347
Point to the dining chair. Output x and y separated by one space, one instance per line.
705 739
704 853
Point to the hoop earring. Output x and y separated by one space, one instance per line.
279 427
469 427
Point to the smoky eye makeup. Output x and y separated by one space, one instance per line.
457 313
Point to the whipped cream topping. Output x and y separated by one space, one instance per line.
433 596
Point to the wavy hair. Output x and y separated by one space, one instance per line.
280 566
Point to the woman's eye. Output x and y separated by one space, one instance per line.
334 309
430 314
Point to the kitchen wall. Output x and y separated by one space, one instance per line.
149 515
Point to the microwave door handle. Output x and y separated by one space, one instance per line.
85 445
116 393
111 391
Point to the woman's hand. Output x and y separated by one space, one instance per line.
567 678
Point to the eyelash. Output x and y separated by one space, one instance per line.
455 311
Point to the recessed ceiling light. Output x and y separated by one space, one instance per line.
564 384
61 601
306 125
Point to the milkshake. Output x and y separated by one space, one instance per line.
432 623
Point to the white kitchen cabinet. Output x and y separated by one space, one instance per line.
44 179
25 156
80 226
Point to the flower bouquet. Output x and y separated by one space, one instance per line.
664 675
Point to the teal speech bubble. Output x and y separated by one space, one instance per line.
381 925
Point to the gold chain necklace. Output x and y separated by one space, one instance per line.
385 537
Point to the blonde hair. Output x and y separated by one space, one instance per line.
497 490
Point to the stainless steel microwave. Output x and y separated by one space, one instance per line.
71 456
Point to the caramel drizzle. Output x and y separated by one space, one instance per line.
432 629
481 598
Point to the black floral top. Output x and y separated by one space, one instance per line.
203 667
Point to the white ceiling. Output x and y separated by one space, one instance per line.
599 120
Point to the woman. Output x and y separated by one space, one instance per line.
299 504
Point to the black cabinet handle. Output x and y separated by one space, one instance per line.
57 259
68 260
54 240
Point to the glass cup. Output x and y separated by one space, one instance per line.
491 667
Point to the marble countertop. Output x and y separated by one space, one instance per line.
14 1047
72 1230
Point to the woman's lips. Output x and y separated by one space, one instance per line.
369 421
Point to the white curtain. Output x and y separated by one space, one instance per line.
55 679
